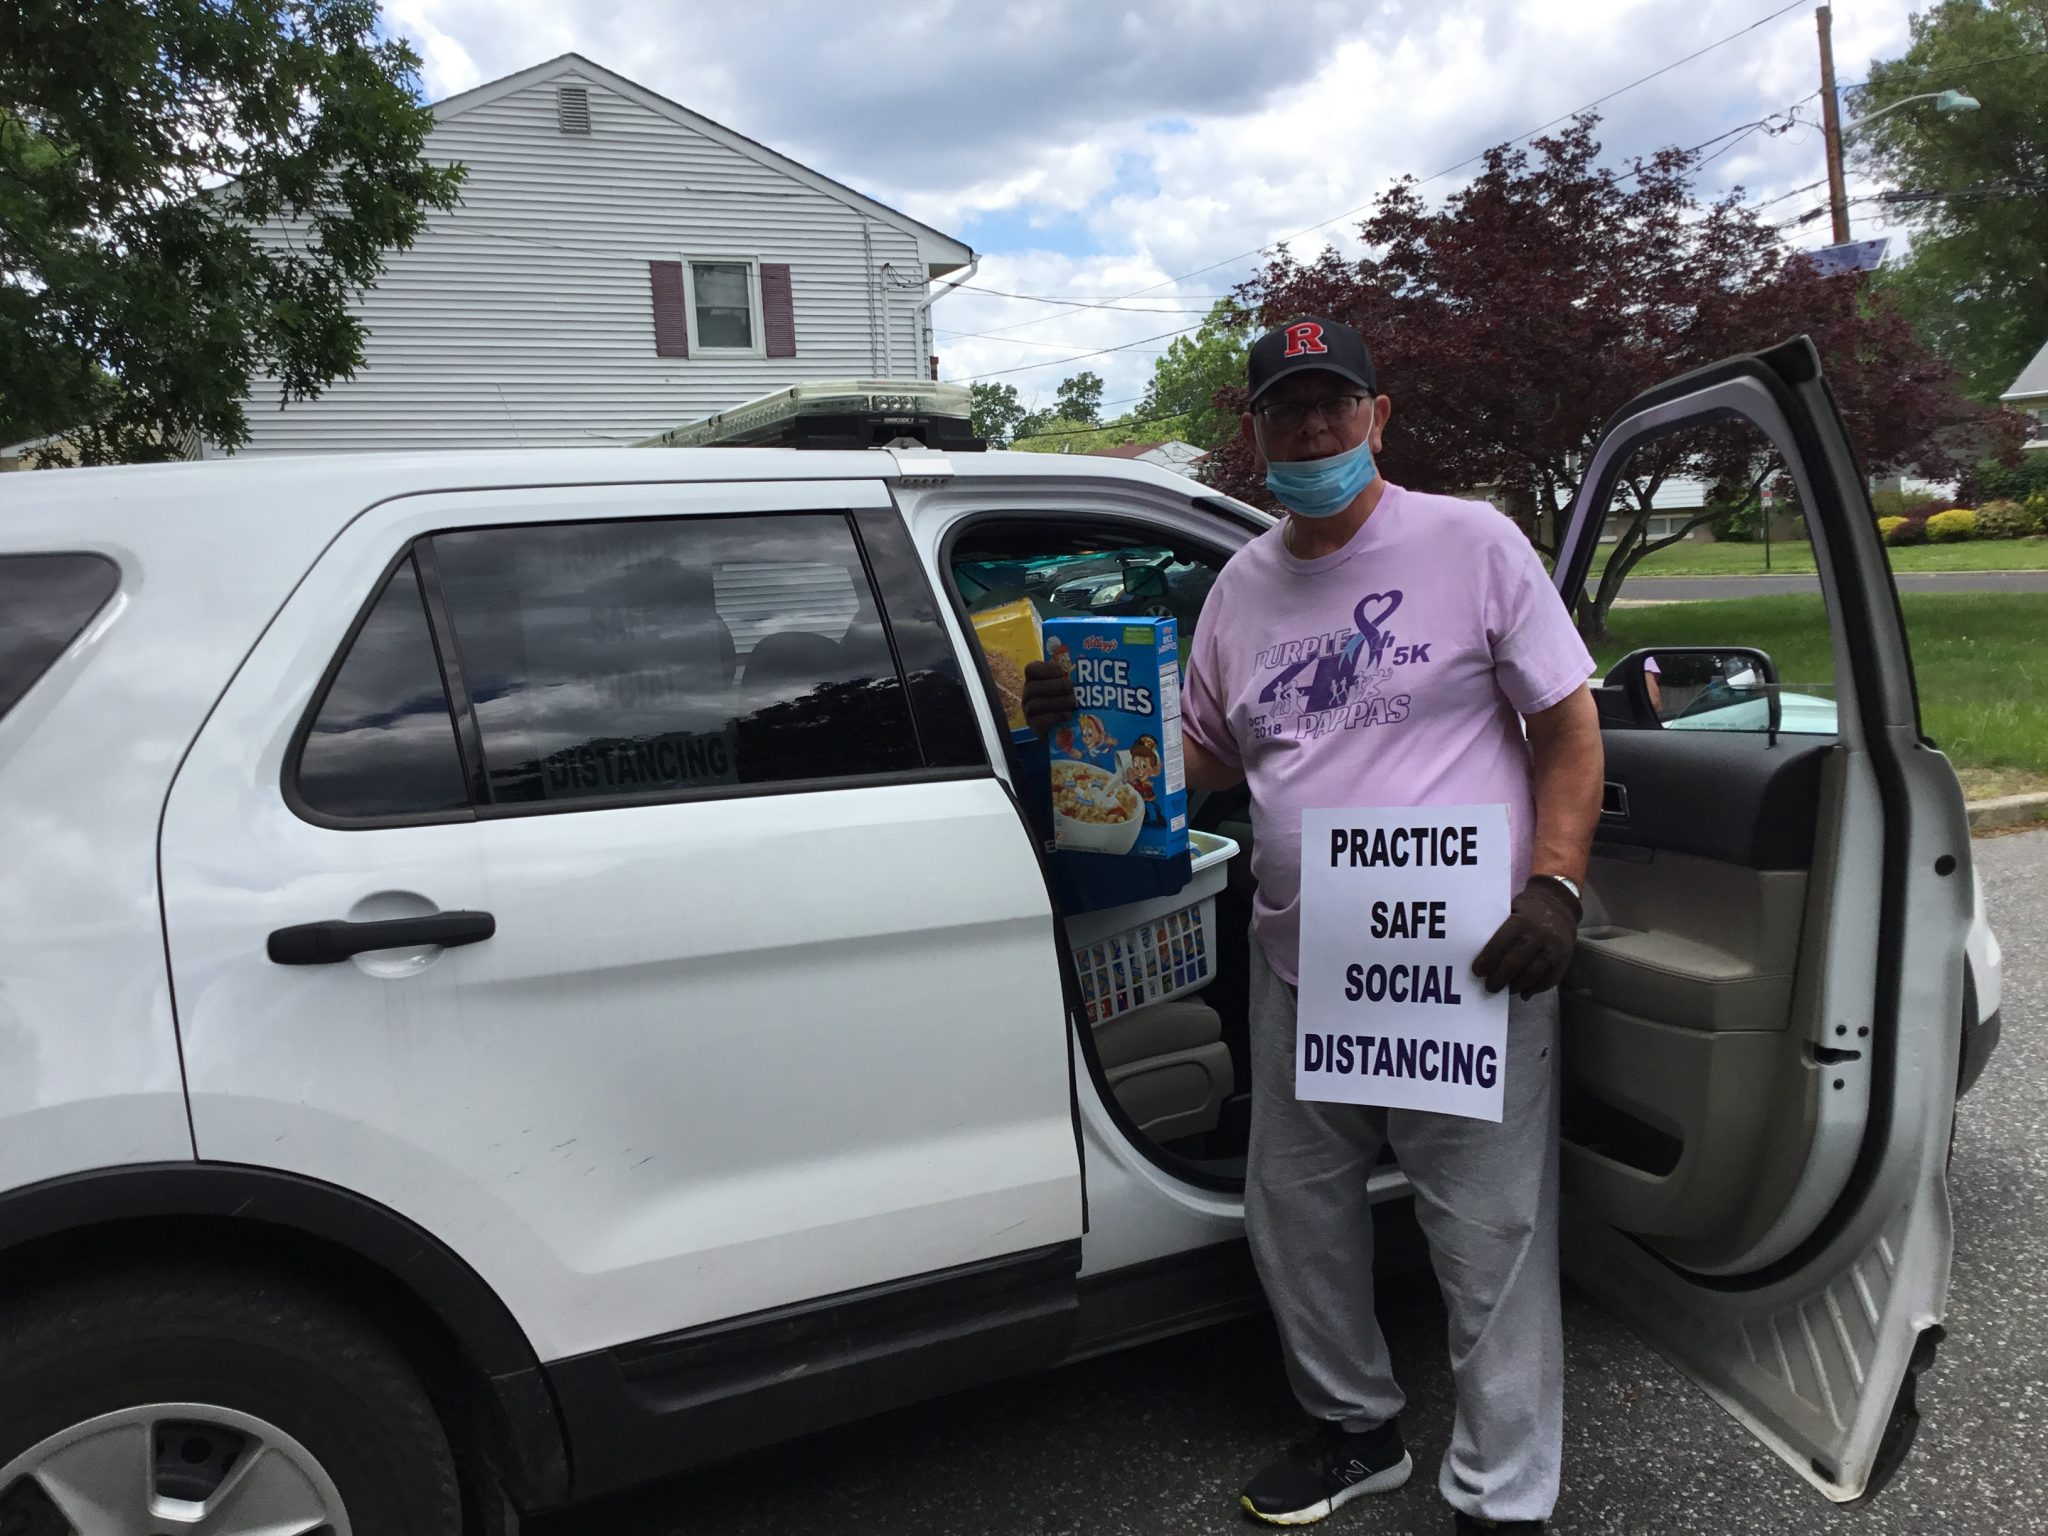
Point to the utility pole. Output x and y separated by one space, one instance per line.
1831 117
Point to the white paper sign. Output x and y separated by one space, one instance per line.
1395 906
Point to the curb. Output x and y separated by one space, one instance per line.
2007 811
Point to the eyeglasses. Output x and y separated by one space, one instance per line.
1289 415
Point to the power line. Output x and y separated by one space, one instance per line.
1782 196
1761 21
1107 426
1433 176
1039 298
1447 170
1002 330
1019 341
976 378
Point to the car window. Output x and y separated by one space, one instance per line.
45 603
1701 500
382 742
1138 581
635 659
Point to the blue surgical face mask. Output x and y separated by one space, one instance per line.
1321 487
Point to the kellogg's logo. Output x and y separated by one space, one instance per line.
1097 643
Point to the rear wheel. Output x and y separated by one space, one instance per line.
210 1402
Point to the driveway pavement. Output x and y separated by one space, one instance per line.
1154 1442
1678 589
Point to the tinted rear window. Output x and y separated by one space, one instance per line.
45 600
383 743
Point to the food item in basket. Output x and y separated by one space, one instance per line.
1010 638
1118 783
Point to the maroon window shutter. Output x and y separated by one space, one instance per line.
671 319
778 310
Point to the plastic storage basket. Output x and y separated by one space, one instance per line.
1151 950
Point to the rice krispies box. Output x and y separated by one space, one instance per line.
1119 783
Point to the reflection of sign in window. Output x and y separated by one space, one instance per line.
635 767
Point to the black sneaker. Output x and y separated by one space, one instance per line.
1327 1471
1468 1525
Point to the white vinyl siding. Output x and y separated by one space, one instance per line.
524 319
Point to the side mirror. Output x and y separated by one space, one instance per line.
1700 687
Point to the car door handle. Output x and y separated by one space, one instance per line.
1613 802
335 940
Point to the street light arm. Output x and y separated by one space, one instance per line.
1952 101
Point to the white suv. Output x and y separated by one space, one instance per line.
522 973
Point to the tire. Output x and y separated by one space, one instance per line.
299 1388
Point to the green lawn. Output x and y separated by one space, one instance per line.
1981 659
1688 558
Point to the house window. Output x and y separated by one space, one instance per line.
724 305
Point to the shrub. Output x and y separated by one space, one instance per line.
2037 512
1888 526
1991 481
1899 503
1952 527
1904 530
2004 520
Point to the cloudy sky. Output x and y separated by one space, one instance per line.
1106 150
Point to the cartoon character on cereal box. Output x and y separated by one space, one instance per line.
1085 738
1146 767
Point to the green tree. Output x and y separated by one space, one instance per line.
997 413
1057 434
1079 399
1976 282
190 195
1185 380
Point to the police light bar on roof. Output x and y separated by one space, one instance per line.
837 413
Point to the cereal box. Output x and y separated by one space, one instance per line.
1118 782
1010 637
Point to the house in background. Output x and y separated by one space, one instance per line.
1181 458
617 265
2029 393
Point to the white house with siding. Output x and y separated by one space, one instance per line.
617 265
2029 393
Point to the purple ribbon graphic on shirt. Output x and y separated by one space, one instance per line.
1373 610
1336 672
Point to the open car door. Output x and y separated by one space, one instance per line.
1761 1024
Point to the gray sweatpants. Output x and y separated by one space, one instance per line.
1486 1196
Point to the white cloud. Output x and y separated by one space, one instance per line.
1107 148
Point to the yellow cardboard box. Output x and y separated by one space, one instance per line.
1011 636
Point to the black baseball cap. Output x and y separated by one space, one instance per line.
1310 343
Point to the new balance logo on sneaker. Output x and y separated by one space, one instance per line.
1327 1471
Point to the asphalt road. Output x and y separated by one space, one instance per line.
1155 1442
1669 589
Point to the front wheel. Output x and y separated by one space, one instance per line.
233 1405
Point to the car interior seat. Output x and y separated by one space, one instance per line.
1168 1066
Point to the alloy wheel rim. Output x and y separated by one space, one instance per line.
170 1469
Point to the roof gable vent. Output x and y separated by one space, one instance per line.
572 108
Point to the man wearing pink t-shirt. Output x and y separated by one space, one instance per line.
1381 647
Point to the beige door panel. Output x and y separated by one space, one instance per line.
1691 941
1664 1125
